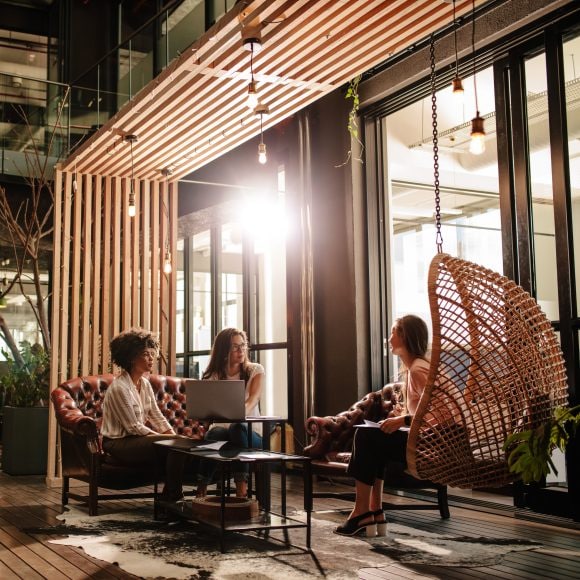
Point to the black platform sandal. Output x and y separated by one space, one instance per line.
353 526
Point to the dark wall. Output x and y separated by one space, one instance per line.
335 250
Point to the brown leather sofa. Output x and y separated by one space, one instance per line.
78 408
330 448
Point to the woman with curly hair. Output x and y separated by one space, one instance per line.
229 361
132 421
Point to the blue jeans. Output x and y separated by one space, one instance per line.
237 434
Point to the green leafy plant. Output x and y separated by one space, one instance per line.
529 452
26 382
352 93
352 125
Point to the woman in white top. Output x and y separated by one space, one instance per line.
229 361
132 421
372 448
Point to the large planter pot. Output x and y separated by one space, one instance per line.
25 440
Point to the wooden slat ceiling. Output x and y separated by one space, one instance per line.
195 110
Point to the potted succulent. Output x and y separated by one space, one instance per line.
25 387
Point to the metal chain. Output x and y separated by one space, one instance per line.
438 236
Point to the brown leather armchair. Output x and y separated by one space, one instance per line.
78 409
330 448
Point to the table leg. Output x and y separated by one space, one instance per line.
223 508
266 468
308 500
155 486
283 486
249 425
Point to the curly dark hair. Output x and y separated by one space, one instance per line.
127 346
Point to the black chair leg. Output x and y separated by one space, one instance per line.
65 487
93 499
442 501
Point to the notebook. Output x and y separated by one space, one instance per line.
215 400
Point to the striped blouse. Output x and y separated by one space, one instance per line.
127 411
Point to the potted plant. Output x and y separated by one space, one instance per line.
530 451
25 385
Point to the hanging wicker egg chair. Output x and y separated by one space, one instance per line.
496 368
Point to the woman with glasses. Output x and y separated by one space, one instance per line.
132 421
373 447
229 361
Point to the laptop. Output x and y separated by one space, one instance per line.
215 400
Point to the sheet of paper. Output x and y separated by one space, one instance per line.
368 424
211 445
255 455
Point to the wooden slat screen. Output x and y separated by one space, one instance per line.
108 274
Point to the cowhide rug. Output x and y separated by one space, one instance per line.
149 549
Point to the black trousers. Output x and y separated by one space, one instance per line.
372 449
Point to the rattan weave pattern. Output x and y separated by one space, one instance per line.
496 368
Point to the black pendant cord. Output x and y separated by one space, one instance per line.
455 41
438 235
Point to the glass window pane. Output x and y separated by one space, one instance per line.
559 460
571 52
197 364
541 186
200 315
274 399
231 277
180 300
469 197
179 368
268 232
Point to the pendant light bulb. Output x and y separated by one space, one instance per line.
458 92
167 262
477 143
252 100
262 157
132 210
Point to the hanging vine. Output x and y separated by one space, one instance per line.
352 124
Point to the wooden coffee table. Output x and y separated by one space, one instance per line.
226 458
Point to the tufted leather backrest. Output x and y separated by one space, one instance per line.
88 393
335 433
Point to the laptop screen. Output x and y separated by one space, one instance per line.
215 400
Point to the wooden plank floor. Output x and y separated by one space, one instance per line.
26 502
